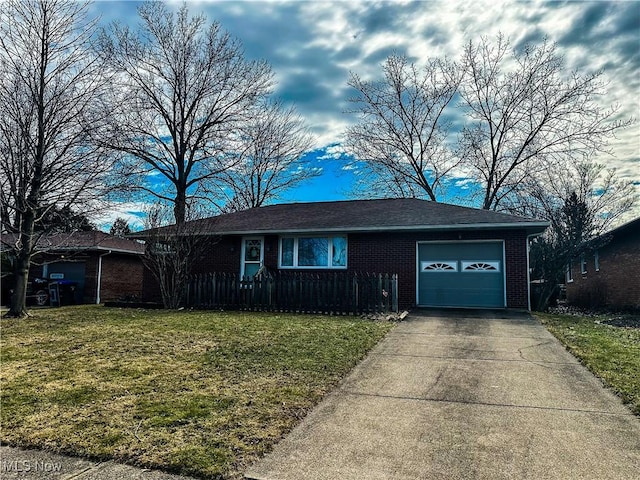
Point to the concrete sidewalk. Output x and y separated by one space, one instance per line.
463 395
19 464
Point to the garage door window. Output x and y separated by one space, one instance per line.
439 266
480 266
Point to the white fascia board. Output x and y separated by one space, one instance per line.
404 228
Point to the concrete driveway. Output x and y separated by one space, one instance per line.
463 395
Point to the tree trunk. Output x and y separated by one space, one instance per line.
180 207
21 275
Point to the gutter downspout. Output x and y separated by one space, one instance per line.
99 283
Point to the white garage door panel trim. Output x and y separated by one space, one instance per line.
462 264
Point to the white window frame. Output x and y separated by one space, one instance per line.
569 274
583 264
596 260
329 265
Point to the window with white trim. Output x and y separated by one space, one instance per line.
583 264
569 274
596 260
313 252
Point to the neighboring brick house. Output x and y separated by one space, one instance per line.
99 266
610 276
444 255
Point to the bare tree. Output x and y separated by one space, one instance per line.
527 115
270 150
171 252
51 110
184 88
401 135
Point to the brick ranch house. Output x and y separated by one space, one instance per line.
444 255
609 276
100 266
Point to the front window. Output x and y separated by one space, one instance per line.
569 274
313 252
583 264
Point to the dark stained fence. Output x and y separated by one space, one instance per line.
338 293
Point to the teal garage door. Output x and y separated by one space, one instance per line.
461 274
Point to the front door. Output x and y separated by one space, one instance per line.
252 255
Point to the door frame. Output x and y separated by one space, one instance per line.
489 240
243 251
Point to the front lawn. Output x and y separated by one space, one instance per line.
198 393
610 352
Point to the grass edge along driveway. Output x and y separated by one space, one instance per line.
197 393
611 353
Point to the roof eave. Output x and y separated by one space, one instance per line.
54 248
531 227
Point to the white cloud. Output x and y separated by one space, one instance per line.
133 212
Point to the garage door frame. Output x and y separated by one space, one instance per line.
459 242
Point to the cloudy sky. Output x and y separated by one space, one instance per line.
313 45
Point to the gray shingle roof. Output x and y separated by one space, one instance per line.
361 215
81 241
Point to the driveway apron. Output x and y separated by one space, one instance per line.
463 395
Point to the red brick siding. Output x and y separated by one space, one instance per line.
222 255
121 276
616 284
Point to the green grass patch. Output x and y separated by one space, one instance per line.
611 353
197 393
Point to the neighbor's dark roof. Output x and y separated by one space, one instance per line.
623 232
81 241
361 215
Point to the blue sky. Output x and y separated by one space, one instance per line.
313 45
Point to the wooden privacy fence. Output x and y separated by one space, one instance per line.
340 293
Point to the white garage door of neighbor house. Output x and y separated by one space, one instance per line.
461 274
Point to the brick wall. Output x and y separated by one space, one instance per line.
616 283
222 255
121 276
